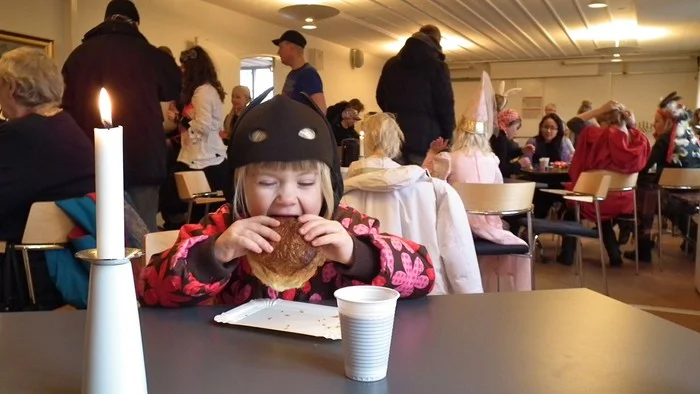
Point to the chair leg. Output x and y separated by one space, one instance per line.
28 274
687 236
636 235
602 248
533 246
579 261
661 218
532 260
189 212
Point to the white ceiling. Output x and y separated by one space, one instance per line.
491 30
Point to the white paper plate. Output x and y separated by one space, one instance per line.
288 316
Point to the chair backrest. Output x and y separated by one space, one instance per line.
158 242
190 183
47 224
620 181
496 198
593 183
680 178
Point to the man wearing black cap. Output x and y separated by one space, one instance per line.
138 76
303 79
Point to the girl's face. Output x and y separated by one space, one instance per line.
549 130
285 192
512 130
660 125
239 100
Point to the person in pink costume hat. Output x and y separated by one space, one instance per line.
471 160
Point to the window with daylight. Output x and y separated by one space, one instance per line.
257 74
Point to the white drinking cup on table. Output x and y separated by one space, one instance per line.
366 324
544 163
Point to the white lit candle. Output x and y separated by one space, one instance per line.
362 144
109 184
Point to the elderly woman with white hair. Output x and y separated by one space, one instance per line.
44 155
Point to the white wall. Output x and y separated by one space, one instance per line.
40 18
640 88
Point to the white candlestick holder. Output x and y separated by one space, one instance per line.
113 360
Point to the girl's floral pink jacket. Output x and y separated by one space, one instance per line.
187 273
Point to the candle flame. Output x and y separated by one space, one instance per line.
362 134
105 108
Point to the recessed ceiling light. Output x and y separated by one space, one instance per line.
616 60
597 4
616 55
619 30
309 27
309 20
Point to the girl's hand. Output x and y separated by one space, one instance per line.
529 149
612 105
328 235
246 235
439 145
525 163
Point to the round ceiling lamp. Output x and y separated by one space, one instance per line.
309 13
597 4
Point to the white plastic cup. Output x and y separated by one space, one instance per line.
544 163
366 325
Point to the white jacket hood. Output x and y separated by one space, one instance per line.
386 180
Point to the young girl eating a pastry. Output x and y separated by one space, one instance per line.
285 235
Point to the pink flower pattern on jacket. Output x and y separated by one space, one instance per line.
170 279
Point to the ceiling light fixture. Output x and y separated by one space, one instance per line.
619 31
309 13
616 55
597 4
616 60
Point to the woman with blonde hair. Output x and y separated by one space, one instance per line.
240 98
471 160
383 141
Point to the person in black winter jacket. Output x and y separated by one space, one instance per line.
137 76
415 85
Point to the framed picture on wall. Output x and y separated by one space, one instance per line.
10 41
532 107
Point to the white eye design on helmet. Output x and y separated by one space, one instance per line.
258 136
307 134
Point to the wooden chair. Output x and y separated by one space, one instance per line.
591 187
47 229
158 242
675 179
626 183
193 188
504 199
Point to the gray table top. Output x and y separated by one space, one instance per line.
561 341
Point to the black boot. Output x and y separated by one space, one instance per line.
568 248
611 244
644 246
626 230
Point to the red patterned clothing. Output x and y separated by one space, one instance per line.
187 274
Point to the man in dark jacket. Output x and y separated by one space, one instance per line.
138 76
415 85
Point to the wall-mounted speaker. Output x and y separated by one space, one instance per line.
315 58
357 58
